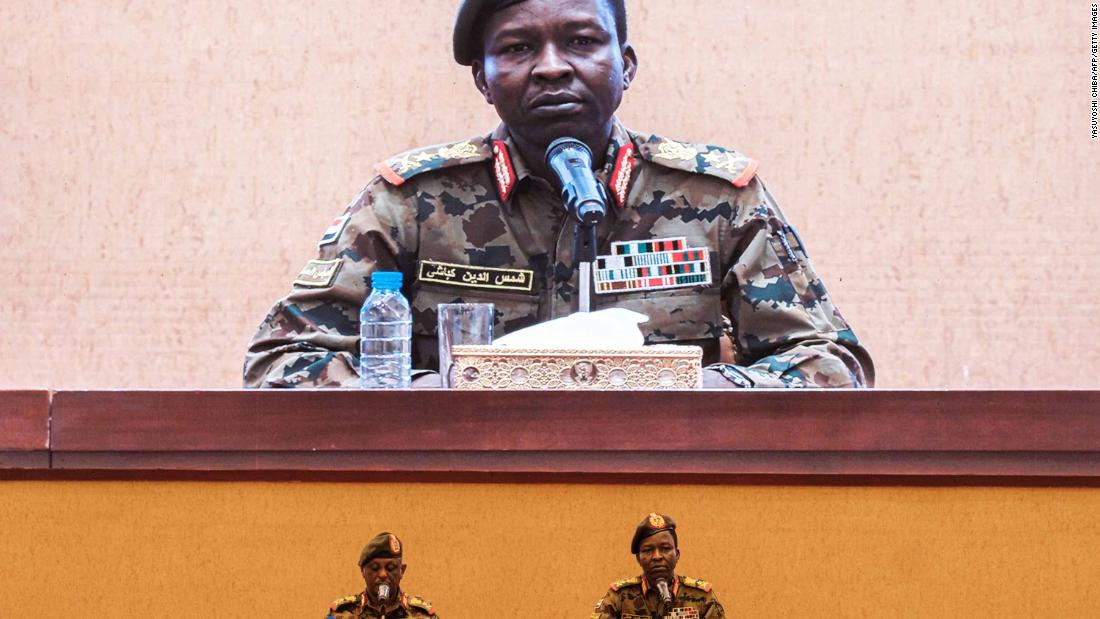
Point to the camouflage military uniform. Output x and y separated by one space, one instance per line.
356 607
467 222
632 598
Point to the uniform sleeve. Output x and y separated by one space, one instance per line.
310 338
714 609
787 330
607 608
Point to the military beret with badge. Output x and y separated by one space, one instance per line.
652 525
385 545
467 31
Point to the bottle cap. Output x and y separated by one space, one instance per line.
386 280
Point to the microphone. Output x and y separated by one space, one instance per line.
662 588
383 592
584 198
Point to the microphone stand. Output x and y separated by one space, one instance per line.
584 254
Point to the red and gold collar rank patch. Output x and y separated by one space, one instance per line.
395 544
503 171
621 173
658 264
657 521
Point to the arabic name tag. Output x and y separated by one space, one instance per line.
657 264
485 278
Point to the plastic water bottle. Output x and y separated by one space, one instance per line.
385 335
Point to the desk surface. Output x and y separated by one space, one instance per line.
831 437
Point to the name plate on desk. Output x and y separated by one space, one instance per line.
652 367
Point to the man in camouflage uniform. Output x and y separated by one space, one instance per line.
692 238
657 550
381 563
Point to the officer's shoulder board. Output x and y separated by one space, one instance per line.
697 584
398 169
421 603
626 582
344 603
706 159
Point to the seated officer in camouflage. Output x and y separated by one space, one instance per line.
382 566
692 238
657 550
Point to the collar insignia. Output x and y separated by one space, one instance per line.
620 175
503 171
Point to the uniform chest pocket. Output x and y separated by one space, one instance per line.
513 310
674 315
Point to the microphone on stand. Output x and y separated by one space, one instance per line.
571 162
383 592
662 589
585 199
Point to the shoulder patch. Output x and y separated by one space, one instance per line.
318 274
421 603
347 600
697 584
626 582
401 168
700 159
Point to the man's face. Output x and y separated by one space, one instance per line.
554 68
658 554
378 571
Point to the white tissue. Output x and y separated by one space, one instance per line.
609 329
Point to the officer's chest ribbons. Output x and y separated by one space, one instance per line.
683 613
397 170
655 264
706 159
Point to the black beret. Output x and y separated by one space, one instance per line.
383 546
470 14
652 525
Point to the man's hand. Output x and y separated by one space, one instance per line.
713 379
430 380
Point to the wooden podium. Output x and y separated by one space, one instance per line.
811 437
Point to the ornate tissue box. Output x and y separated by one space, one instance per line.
651 367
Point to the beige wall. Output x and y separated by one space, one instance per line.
167 167
125 549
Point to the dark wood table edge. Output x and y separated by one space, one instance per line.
512 478
1069 463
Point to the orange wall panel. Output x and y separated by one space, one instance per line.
111 549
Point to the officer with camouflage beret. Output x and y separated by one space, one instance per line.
659 592
692 237
383 566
